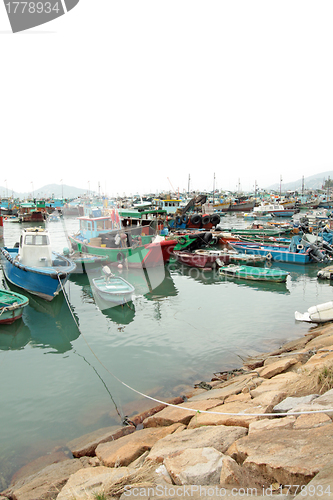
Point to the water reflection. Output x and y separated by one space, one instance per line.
15 336
214 278
44 325
156 284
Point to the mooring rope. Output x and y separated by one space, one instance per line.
195 410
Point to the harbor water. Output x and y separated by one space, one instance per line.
64 366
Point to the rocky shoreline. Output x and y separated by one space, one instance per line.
249 443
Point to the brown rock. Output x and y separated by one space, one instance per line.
269 399
300 356
277 367
220 438
321 341
233 386
138 419
272 423
171 415
195 466
235 476
128 448
280 382
321 359
287 456
40 463
311 421
233 414
86 483
321 486
87 444
45 484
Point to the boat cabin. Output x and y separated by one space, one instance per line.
93 227
170 205
35 248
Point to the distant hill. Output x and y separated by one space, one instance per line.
313 182
48 191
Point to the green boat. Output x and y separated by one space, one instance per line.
11 306
254 273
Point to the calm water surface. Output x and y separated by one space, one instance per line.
184 324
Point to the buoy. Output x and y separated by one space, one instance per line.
120 266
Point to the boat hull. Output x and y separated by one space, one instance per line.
254 273
45 282
274 253
317 314
150 255
11 306
116 291
202 259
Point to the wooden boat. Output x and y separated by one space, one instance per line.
242 206
113 288
245 258
298 252
194 250
33 266
11 306
254 273
205 259
275 209
135 247
317 314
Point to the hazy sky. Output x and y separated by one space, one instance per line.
130 93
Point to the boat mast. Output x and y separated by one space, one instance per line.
328 188
214 189
188 187
302 186
280 184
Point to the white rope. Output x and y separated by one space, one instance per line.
195 410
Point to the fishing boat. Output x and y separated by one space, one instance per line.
297 252
134 247
245 258
194 250
317 314
254 273
34 267
275 209
11 306
113 288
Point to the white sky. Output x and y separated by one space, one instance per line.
130 92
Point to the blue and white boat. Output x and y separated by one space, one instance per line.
33 266
298 252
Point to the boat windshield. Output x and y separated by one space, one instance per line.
36 239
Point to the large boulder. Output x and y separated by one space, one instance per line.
86 445
236 412
220 438
86 483
128 448
288 456
195 466
45 484
181 413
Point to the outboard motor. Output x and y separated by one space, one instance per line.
316 254
327 247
